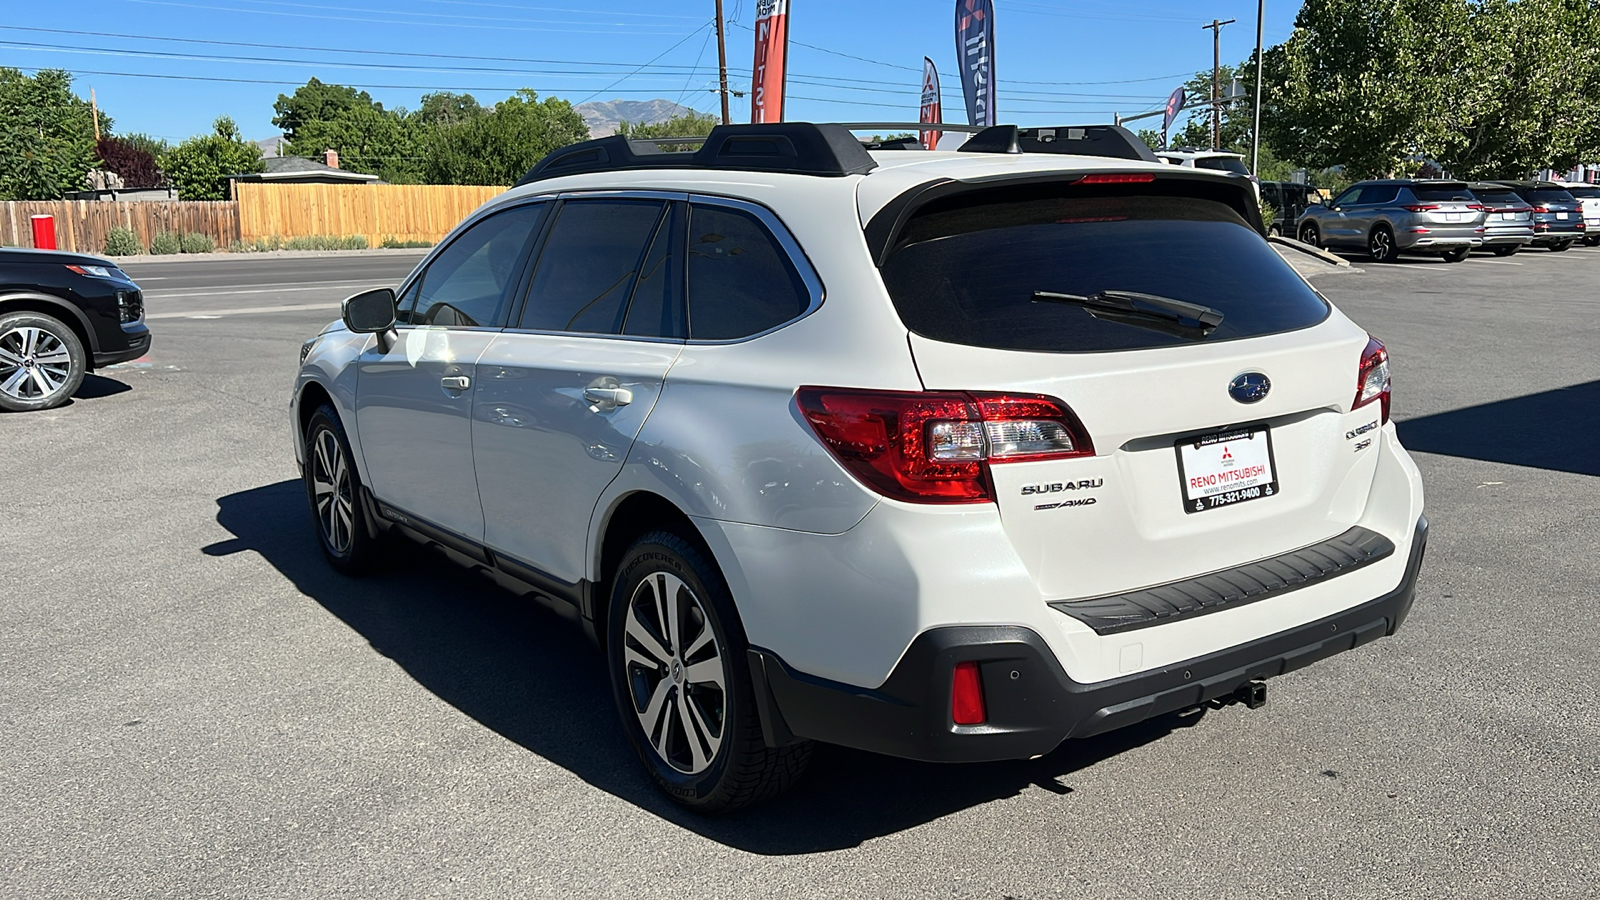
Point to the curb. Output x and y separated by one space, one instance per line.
1309 250
270 254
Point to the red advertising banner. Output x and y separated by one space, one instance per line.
932 107
772 46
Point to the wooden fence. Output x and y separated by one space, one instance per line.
406 212
82 225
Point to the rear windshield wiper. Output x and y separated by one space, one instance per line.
1158 313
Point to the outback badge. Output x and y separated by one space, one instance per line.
1251 387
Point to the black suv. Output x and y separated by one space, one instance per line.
61 316
1289 199
1557 215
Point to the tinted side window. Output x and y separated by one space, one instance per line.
1378 193
741 282
1223 164
1348 198
656 309
588 265
467 283
405 306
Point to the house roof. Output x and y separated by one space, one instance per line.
281 167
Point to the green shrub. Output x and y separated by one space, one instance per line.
122 241
197 243
393 243
165 243
326 242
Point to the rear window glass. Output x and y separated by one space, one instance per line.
1499 198
967 275
1585 193
1223 164
1436 194
1549 196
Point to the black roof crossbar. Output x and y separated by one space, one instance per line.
1111 141
797 148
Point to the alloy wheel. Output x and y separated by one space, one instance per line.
1381 245
34 364
331 492
674 673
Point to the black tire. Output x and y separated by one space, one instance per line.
740 769
1274 231
1505 250
1560 246
1309 234
1455 256
1591 240
1381 246
42 362
333 490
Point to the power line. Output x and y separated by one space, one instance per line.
641 68
367 20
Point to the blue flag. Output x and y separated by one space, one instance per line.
975 50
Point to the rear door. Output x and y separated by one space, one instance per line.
565 389
1190 474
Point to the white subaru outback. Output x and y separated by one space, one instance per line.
945 455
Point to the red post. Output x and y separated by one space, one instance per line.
44 232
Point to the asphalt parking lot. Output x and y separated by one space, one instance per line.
196 706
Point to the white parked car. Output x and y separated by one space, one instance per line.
945 455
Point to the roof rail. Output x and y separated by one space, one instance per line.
1112 141
798 148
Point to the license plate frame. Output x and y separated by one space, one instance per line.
1202 482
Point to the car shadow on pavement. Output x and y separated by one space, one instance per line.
96 386
531 677
1557 429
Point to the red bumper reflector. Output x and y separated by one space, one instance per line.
966 695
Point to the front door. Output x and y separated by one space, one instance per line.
565 390
414 401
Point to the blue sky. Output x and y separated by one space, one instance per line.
1057 61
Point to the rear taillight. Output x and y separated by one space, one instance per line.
1478 206
966 695
936 446
1423 207
1544 209
1372 381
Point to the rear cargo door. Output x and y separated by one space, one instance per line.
1213 447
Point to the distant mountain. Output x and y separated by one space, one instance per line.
603 118
272 146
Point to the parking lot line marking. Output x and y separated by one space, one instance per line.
1498 262
247 310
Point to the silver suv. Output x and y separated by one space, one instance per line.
914 452
1391 217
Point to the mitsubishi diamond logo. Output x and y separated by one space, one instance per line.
1251 387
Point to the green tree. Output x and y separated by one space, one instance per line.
689 124
367 137
1370 84
499 147
443 109
46 135
1237 116
1532 101
199 167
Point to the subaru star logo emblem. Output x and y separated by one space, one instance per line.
1249 387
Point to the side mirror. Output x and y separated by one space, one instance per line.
369 312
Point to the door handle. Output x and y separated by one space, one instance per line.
608 396
455 382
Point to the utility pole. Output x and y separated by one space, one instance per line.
1216 80
1255 129
95 107
722 64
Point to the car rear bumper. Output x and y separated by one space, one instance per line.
1517 238
1442 242
1032 704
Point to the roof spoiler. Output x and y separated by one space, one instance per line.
1111 141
